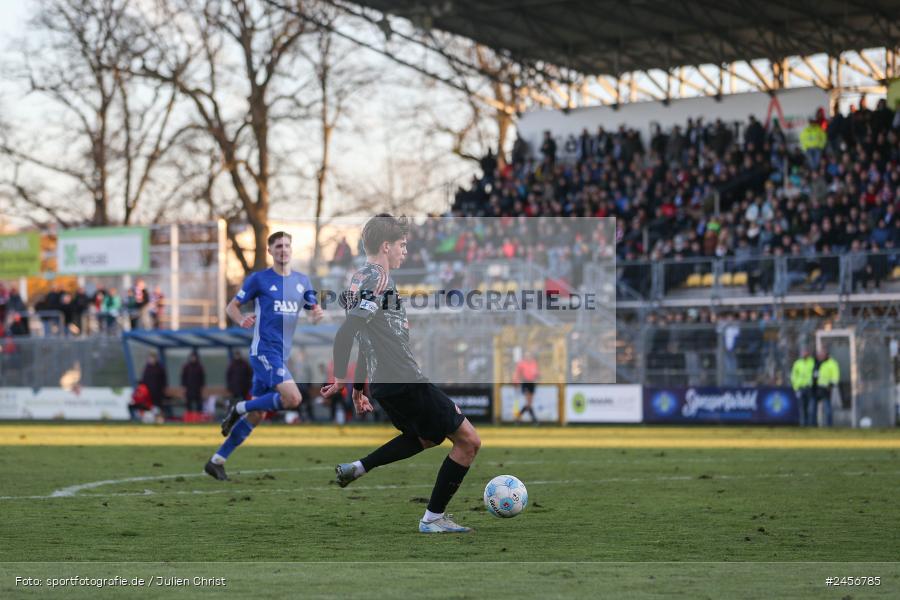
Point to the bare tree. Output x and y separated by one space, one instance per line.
340 78
492 95
111 139
234 60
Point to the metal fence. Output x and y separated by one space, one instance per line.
736 276
736 353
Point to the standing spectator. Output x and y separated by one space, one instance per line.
761 272
157 305
155 378
15 304
754 135
802 381
131 309
193 378
548 148
40 307
826 376
837 128
67 307
239 377
80 303
343 254
527 375
488 164
110 310
730 334
860 268
812 142
49 310
141 305
519 151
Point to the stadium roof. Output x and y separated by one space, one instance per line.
614 37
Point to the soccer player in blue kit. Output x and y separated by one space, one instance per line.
281 294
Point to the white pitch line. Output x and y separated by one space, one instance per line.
74 489
424 485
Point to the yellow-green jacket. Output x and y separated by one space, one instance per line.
802 373
829 372
813 136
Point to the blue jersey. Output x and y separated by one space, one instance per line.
279 302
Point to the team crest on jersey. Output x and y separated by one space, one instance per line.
300 289
286 307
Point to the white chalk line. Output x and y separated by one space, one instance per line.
71 491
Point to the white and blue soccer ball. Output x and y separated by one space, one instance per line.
505 496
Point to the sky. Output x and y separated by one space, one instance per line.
382 154
373 144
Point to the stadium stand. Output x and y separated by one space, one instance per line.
737 192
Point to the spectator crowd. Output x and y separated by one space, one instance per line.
736 191
76 311
745 193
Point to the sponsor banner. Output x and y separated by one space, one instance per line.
20 255
546 403
476 402
87 403
604 404
767 405
103 251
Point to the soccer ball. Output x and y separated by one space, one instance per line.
505 496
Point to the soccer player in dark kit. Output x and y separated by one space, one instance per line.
423 413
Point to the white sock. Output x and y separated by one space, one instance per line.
217 459
241 407
431 517
359 468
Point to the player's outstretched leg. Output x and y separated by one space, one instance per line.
215 467
466 444
266 402
401 447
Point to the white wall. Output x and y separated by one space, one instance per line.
797 106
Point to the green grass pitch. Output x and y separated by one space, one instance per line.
618 523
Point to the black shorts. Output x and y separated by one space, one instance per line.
421 409
528 387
